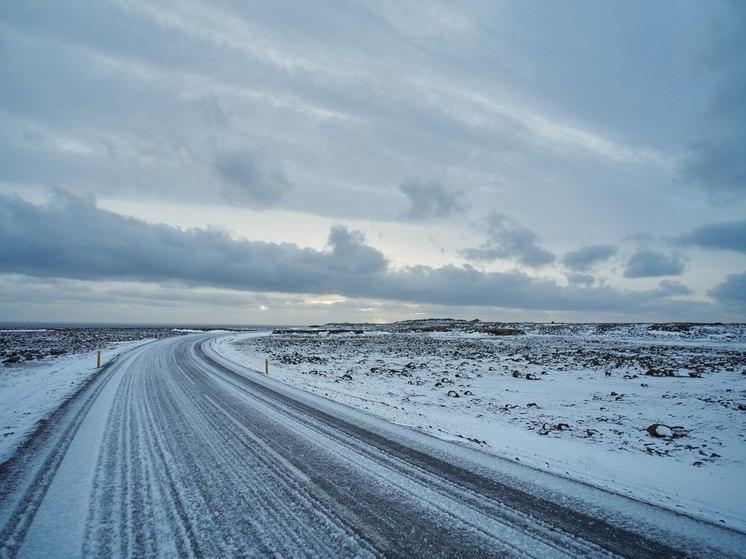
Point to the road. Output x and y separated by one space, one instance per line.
172 451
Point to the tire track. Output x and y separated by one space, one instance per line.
203 466
56 436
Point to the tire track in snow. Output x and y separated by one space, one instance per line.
31 478
208 477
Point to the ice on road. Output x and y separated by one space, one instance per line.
173 451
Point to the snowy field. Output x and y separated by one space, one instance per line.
41 367
657 412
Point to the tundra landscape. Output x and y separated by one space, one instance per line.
368 278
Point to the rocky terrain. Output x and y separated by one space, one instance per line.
675 390
19 345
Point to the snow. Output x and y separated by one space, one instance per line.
32 391
53 533
585 417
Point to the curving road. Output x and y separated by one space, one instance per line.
172 451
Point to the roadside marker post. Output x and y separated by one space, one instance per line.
98 359
266 366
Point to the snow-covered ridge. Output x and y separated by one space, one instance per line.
656 331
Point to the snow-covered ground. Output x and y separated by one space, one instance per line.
44 366
576 400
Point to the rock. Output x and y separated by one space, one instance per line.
546 428
531 376
452 394
660 431
503 331
652 372
346 376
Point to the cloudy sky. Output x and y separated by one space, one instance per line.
292 162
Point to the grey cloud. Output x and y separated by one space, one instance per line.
431 199
351 255
718 164
586 257
731 291
649 263
730 235
508 239
467 286
251 178
673 288
715 160
72 238
580 279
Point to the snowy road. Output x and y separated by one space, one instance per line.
172 451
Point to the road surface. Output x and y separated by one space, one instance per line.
172 451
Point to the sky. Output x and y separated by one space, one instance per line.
233 162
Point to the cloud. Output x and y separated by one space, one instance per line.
428 199
506 238
732 290
351 255
715 158
70 237
580 279
648 263
251 178
717 164
586 257
729 235
673 288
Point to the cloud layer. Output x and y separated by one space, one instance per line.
251 179
72 238
409 121
715 158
